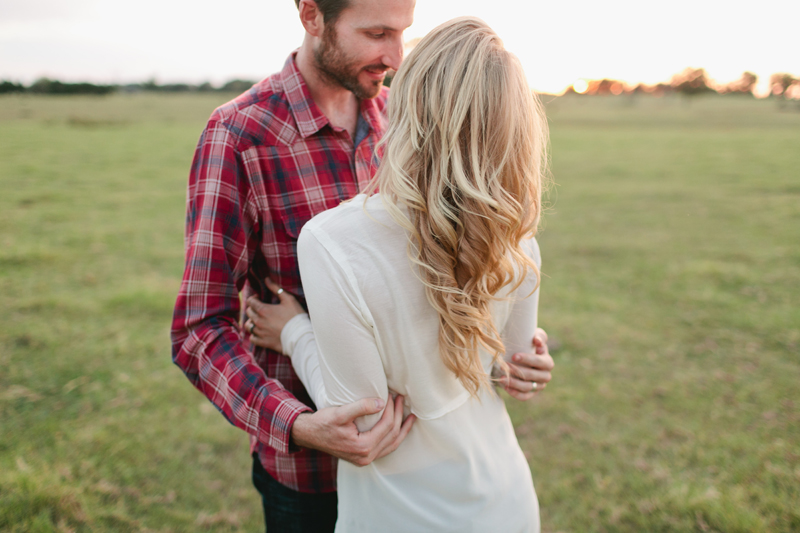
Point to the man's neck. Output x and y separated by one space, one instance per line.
339 105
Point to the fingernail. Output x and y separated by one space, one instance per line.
517 357
378 404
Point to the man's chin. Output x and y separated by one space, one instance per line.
370 89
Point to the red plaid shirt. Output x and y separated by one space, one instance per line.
266 163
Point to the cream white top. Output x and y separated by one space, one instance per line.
375 333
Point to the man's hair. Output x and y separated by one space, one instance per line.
330 9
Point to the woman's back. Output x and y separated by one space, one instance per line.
460 468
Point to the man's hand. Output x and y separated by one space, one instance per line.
333 430
265 321
529 368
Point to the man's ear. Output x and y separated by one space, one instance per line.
311 17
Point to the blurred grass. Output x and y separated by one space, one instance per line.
98 430
672 287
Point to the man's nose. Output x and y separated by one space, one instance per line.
393 55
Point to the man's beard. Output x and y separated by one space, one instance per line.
338 69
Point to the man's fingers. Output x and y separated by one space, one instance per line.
392 445
532 360
540 341
521 396
529 374
401 428
522 385
382 432
539 345
398 411
384 425
406 427
366 406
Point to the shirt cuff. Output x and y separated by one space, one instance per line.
293 331
278 414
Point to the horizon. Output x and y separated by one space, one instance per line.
623 40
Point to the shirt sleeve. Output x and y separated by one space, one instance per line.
300 344
207 343
350 366
521 325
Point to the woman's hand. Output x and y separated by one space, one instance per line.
265 321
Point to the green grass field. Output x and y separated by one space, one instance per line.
672 289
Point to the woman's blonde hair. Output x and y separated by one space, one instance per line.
465 154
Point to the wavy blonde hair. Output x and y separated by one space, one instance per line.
465 154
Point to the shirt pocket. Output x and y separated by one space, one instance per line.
305 179
291 184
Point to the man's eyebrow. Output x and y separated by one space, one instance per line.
378 27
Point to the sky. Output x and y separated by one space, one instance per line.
558 42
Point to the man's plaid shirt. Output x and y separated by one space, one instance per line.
266 163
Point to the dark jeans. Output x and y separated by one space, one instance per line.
289 511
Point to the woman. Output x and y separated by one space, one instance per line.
423 289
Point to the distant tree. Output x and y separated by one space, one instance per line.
205 87
43 86
48 86
176 88
780 82
748 82
692 81
150 85
743 85
11 87
238 86
599 87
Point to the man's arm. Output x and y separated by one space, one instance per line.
285 327
207 344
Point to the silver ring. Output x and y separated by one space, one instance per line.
252 327
280 290
534 386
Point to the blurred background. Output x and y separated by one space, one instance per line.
671 287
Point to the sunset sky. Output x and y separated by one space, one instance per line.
108 41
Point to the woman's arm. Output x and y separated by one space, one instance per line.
522 321
345 366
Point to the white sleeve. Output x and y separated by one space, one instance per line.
347 356
521 325
300 345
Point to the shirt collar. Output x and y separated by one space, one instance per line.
307 115
373 115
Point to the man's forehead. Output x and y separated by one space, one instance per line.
381 14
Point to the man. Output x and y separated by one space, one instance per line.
296 144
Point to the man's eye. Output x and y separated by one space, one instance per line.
376 35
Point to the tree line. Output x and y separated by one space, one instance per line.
690 82
48 86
